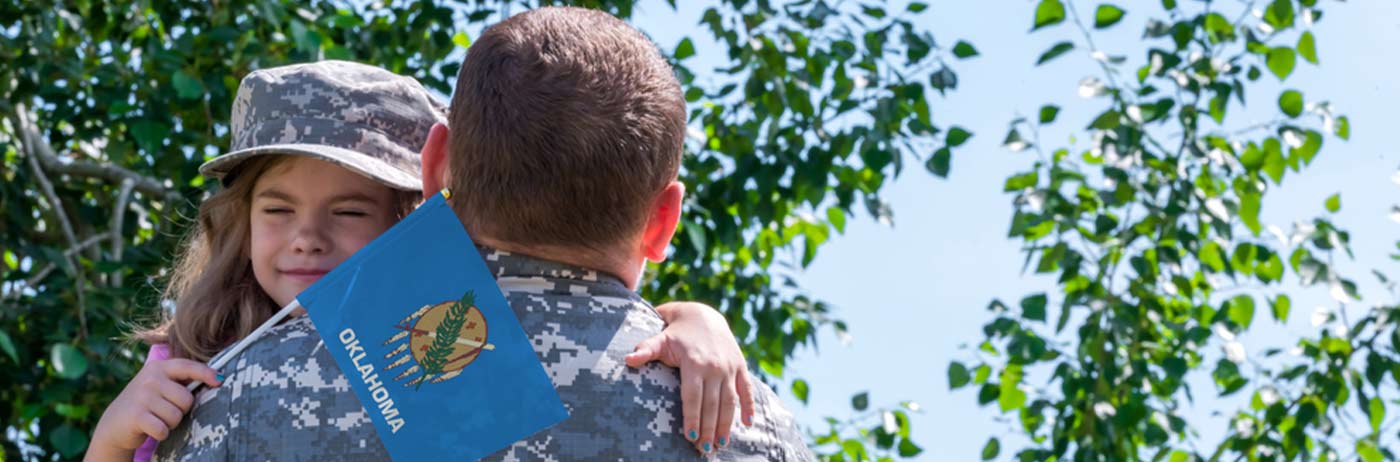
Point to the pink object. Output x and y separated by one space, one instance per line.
159 352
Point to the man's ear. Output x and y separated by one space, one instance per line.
434 158
662 218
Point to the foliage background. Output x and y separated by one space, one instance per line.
776 317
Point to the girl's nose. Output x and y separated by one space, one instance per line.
311 238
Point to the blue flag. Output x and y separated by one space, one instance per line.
429 344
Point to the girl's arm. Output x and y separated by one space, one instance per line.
697 340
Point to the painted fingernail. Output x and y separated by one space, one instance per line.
692 435
723 441
219 377
706 446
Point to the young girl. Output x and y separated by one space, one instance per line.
324 159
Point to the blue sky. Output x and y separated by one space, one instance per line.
914 292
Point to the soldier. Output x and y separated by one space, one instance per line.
567 128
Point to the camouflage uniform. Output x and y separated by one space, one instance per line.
285 398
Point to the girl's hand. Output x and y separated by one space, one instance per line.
697 340
151 404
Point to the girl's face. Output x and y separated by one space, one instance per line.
309 215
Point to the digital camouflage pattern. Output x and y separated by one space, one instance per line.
364 118
285 398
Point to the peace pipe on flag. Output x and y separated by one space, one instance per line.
428 343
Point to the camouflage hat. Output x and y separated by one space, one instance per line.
360 117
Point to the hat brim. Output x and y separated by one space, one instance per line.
366 165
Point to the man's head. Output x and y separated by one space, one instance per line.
566 134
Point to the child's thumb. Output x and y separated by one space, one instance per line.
647 351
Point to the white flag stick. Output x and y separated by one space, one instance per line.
222 359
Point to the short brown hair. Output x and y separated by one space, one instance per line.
566 123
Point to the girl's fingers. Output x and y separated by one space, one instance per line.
166 411
176 395
184 370
692 387
647 351
725 421
745 389
153 426
709 413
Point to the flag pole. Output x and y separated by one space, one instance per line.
222 359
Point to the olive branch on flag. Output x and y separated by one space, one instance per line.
446 339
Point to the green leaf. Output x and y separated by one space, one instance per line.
1343 128
1014 141
908 449
1022 181
837 217
1107 121
1376 410
1048 113
186 87
9 347
964 50
1334 203
1368 452
1033 307
1011 397
1107 15
992 449
1307 47
461 39
69 441
1291 102
67 361
1274 163
1280 307
1281 61
696 233
1218 29
1241 310
1312 142
685 49
1271 269
1249 211
1055 52
938 163
1049 13
958 375
149 134
800 390
1210 255
957 136
1279 14
860 401
72 411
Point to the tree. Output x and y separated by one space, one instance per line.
1154 233
108 108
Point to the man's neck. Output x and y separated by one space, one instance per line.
626 268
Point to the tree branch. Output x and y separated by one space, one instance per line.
40 149
118 216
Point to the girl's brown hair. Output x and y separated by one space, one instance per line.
217 298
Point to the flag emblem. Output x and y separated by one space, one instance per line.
439 340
